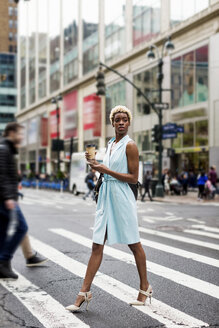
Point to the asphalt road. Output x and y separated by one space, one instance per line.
181 244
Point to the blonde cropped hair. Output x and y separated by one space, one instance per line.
120 109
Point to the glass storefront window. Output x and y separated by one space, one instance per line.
189 78
201 136
116 95
70 26
146 81
146 20
54 42
201 58
114 28
23 44
188 135
180 10
42 39
32 25
90 34
176 81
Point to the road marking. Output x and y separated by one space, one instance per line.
158 310
179 238
59 207
195 220
202 233
206 228
160 270
26 202
179 252
155 218
45 308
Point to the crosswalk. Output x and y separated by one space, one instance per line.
48 307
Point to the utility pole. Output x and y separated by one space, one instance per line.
158 108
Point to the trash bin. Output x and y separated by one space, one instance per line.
153 184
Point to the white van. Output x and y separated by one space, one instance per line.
79 170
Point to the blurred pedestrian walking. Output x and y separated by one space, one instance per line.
13 226
90 178
202 178
146 184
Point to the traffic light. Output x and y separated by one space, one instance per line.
100 83
156 134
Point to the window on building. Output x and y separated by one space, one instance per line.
181 10
10 36
115 94
201 135
54 42
90 34
189 78
10 11
10 23
188 135
146 20
114 28
146 81
11 48
15 11
70 40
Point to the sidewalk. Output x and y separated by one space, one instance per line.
190 198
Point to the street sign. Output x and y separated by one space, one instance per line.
169 135
170 127
180 128
161 105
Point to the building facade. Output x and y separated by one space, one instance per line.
8 67
60 45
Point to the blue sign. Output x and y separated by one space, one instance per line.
180 129
170 127
169 135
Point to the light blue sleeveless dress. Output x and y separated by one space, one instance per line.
116 210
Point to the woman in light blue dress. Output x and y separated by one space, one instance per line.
116 214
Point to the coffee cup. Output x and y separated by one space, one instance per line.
91 149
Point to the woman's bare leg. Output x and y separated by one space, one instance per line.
140 259
92 268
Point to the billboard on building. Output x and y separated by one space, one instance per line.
44 131
70 114
53 124
33 131
92 114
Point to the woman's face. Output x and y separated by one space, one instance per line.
121 123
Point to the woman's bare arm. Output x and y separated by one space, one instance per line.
133 164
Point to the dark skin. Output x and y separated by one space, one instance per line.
121 124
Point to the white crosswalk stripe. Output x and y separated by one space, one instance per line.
173 275
202 233
41 305
158 310
179 238
205 228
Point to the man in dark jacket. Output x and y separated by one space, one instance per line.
13 226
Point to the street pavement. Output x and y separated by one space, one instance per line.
181 245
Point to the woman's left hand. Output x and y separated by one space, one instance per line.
97 166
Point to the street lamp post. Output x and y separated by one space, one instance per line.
167 45
55 100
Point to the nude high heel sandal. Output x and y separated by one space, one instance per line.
148 293
87 299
